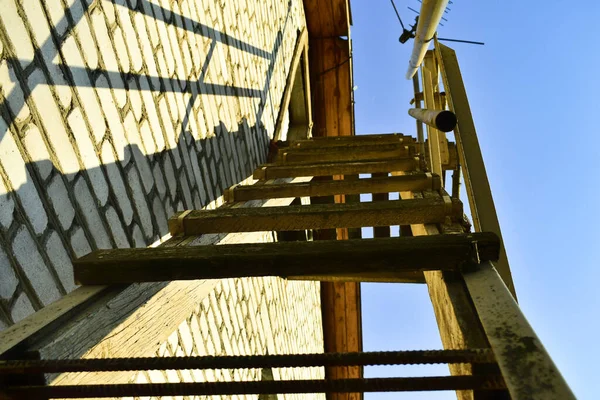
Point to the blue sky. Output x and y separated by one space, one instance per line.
535 95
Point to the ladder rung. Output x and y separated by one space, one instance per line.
272 171
352 140
362 153
341 147
412 357
317 216
287 259
415 182
430 383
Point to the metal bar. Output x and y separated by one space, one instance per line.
527 368
483 211
456 183
429 18
420 134
442 120
262 361
428 72
433 383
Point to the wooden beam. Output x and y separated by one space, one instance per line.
333 141
322 216
301 43
346 154
298 259
347 146
483 210
378 195
414 182
272 171
326 19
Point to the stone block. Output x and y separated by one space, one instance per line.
27 254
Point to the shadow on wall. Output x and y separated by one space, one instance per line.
48 217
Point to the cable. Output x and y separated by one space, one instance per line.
397 14
335 66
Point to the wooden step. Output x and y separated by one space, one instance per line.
363 153
388 257
318 216
360 140
272 171
415 182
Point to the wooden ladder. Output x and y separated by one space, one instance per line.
491 349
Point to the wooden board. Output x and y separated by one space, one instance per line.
347 154
380 139
298 259
414 182
343 147
331 87
382 231
272 171
327 18
323 216
301 43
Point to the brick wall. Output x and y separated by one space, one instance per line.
115 114
248 316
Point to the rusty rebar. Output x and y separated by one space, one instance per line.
259 361
435 383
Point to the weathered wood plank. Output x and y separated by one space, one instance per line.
272 171
301 43
346 147
322 216
382 231
361 140
346 154
298 259
415 182
345 93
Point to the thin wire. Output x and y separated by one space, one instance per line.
397 14
413 10
335 66
462 41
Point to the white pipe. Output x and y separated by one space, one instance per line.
429 19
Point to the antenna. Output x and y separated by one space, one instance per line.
398 15
410 34
462 41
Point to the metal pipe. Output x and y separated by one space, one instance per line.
429 18
528 370
442 120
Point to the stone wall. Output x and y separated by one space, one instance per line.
117 113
